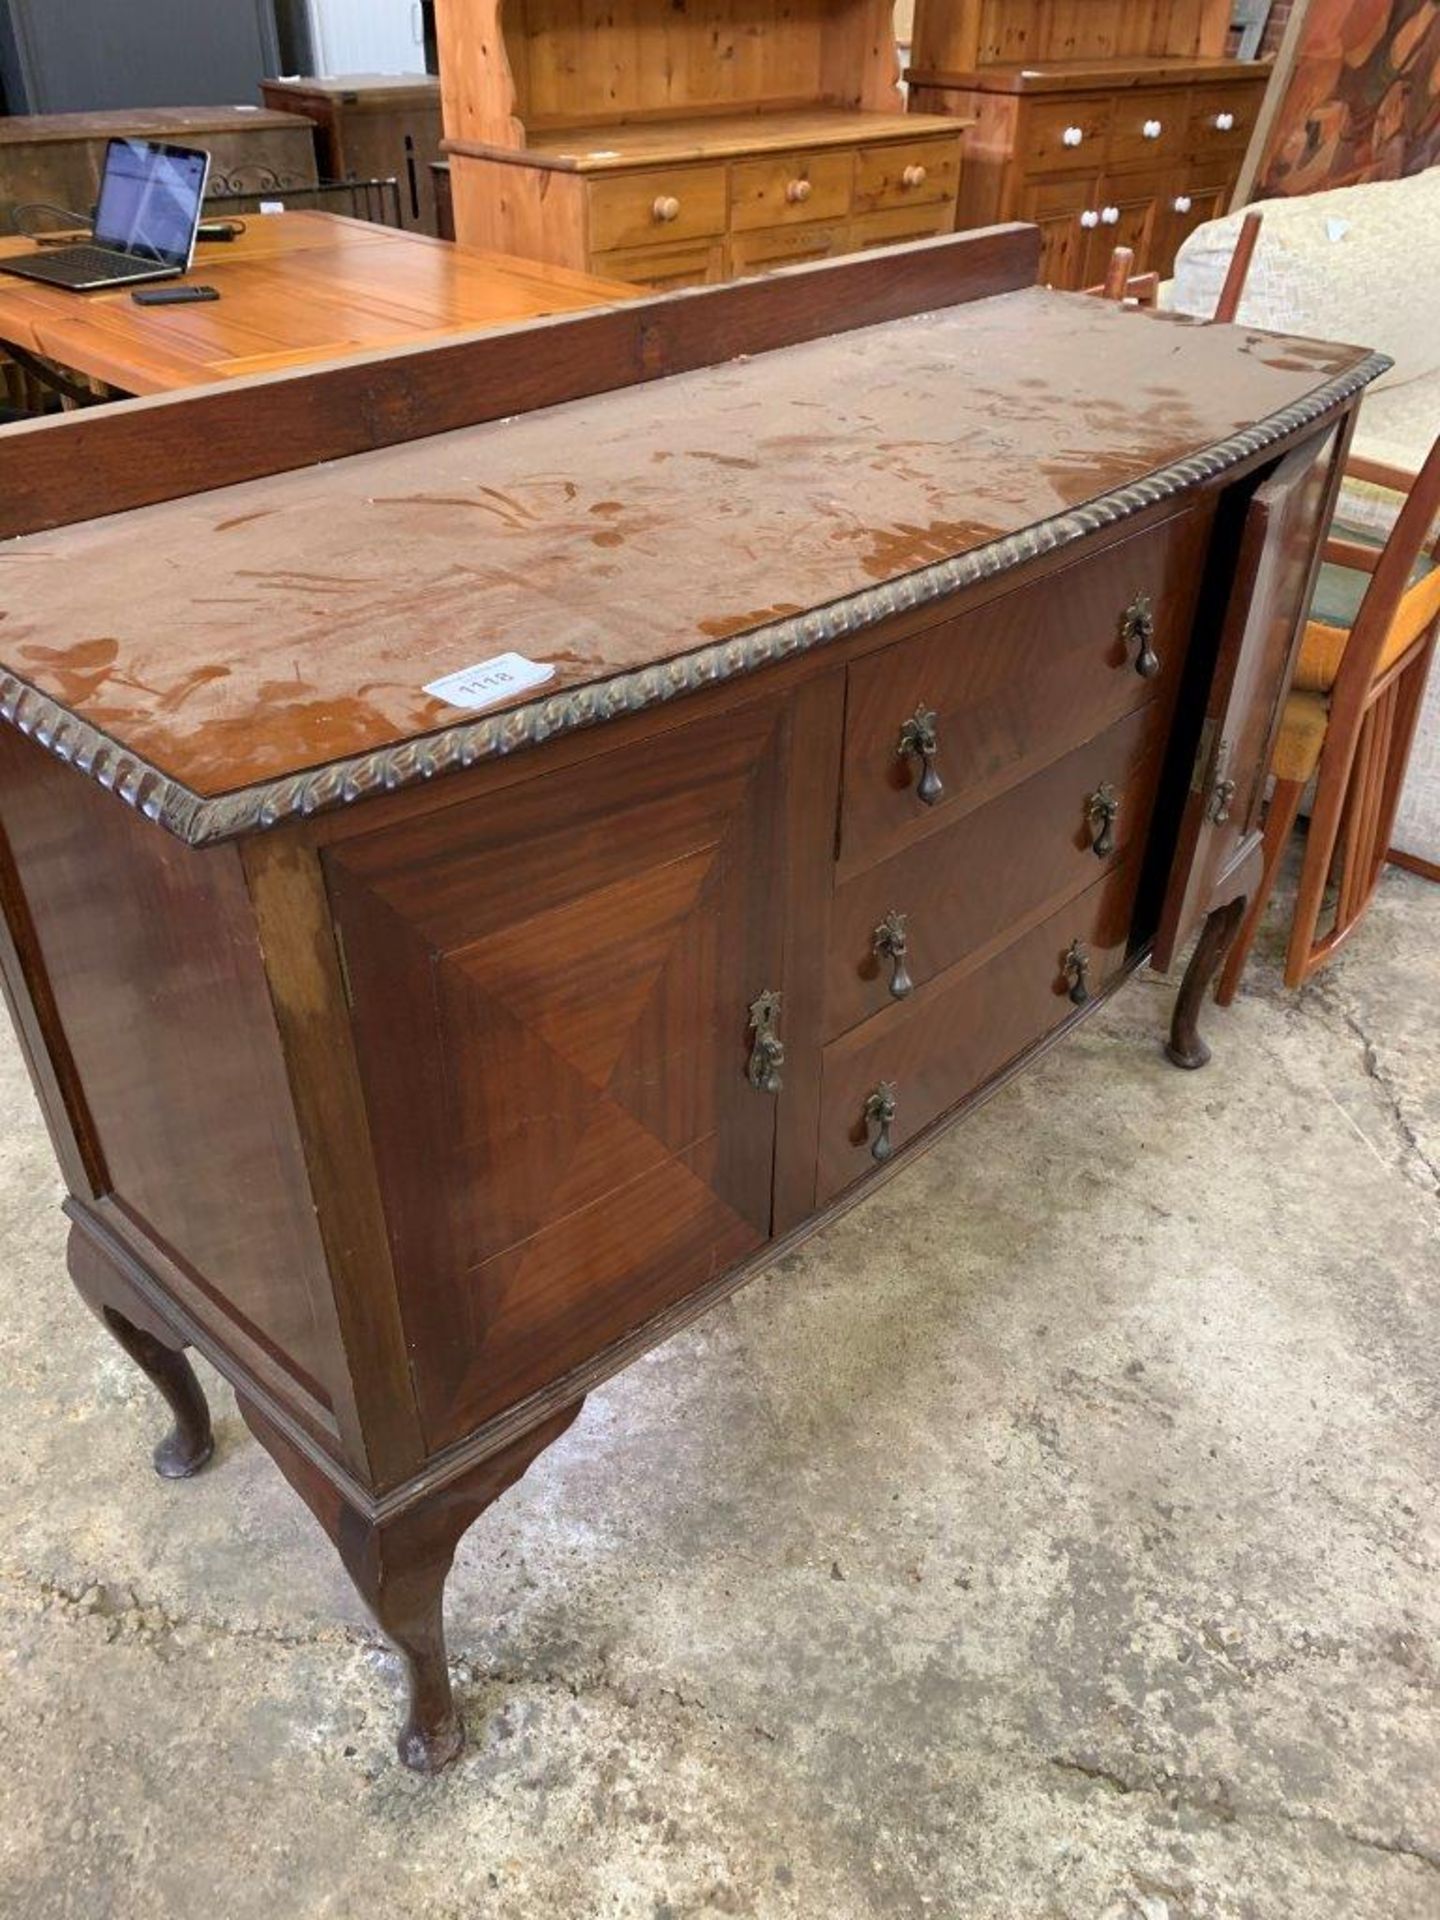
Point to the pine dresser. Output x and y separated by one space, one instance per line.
882 659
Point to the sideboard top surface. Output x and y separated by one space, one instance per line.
257 633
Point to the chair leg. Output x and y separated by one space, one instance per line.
1326 821
1279 825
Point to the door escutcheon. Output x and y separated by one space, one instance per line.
767 1051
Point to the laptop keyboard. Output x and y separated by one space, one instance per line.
76 266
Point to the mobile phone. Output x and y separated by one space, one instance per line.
172 296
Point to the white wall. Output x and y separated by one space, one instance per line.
367 36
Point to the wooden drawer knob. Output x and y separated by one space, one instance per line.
666 208
913 177
798 192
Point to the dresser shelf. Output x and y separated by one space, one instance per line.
640 143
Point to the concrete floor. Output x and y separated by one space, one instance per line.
1055 1536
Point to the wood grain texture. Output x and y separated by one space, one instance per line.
295 288
161 1016
168 448
550 1006
964 890
964 1027
1279 556
857 462
308 992
1013 684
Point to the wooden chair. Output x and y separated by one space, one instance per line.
1143 289
1349 722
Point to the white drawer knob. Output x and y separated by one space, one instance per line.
1181 203
798 192
1224 121
1110 215
1090 218
1152 129
1072 136
913 177
667 207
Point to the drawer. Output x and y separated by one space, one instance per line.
1011 685
696 263
1222 119
786 188
903 174
948 1041
962 894
1056 135
896 224
1149 126
661 204
786 246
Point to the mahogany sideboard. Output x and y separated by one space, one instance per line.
915 638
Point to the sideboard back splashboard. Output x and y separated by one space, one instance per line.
915 640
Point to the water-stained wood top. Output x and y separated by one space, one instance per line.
247 635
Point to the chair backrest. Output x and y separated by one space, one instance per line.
1140 289
1388 583
1236 274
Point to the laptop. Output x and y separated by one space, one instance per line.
145 223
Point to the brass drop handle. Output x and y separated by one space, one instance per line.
1101 809
666 208
879 1118
1077 971
917 740
913 177
798 192
1137 628
767 1050
892 942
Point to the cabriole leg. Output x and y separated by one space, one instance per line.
399 1562
1185 1047
155 1349
190 1442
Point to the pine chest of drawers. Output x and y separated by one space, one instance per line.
909 642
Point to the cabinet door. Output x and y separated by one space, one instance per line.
1067 212
551 991
1272 580
1188 204
1131 211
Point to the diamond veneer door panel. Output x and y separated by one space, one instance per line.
551 987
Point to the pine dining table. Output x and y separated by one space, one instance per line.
296 288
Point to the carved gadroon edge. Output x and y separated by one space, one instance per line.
203 822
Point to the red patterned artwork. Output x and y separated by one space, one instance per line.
1362 100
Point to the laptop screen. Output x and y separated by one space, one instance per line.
150 201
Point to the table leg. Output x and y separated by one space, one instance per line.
1186 1047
